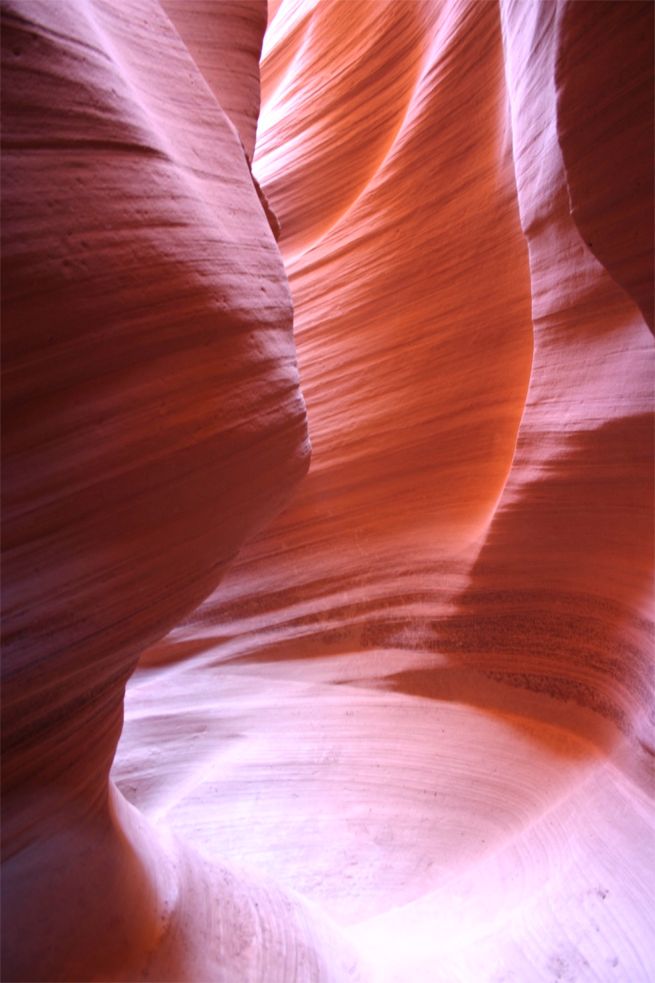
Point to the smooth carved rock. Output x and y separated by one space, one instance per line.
152 421
417 707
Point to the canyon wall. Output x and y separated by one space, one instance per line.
408 735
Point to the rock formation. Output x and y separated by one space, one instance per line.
408 733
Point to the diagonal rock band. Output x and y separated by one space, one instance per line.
389 717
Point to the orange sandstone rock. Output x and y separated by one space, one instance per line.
423 695
152 420
419 703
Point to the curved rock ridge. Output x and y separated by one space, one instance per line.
225 42
423 695
152 421
408 734
605 58
479 388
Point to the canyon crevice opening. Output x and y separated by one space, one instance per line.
327 520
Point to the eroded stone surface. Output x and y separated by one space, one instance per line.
417 708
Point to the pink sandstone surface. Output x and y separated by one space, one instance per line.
391 718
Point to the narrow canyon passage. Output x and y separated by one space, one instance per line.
388 714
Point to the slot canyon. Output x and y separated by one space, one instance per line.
327 387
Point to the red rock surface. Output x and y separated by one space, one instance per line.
419 704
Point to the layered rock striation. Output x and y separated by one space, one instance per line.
408 734
152 419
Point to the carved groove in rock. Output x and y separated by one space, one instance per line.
392 715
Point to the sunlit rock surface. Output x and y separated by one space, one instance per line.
421 697
152 419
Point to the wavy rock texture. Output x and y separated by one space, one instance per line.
152 420
421 698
